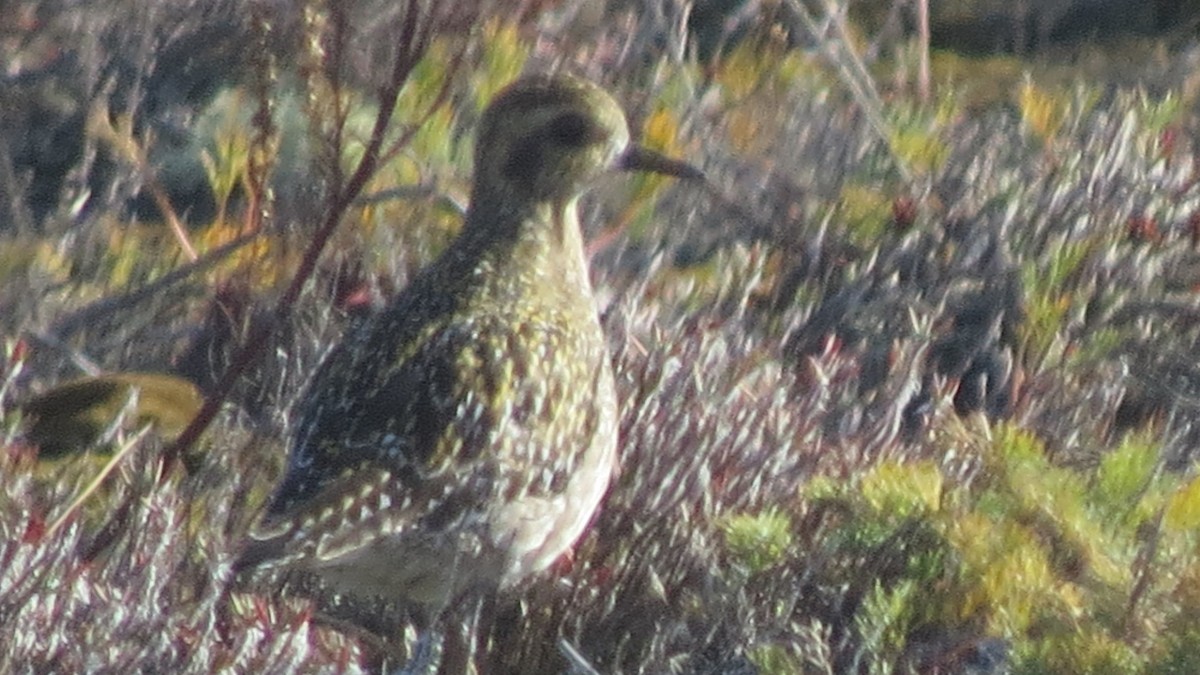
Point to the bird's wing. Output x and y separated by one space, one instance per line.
384 402
409 426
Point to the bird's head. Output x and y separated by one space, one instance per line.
545 138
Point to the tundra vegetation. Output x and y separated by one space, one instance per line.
910 387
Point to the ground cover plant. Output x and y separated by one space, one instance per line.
910 387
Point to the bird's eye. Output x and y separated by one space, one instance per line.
570 129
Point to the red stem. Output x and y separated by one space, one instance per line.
414 39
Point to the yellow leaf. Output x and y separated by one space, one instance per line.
660 131
1183 509
920 148
1041 111
742 70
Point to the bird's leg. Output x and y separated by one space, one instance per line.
485 621
461 623
468 634
426 653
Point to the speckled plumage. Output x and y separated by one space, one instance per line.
465 435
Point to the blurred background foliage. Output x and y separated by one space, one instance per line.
911 387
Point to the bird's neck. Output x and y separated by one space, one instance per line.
537 243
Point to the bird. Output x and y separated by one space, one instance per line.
463 437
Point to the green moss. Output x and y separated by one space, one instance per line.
758 542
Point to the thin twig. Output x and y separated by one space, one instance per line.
853 73
577 664
924 90
414 39
89 313
119 455
123 140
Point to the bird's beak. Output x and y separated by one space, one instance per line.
637 158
